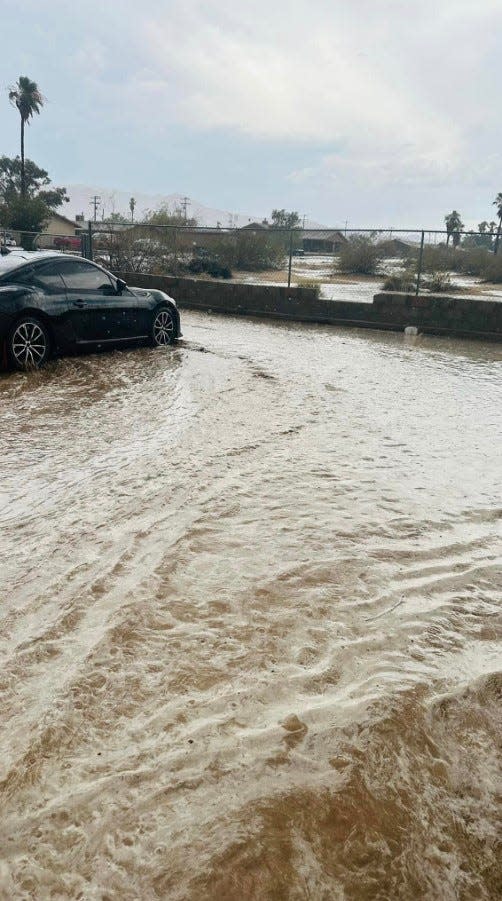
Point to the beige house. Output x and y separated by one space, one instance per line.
58 231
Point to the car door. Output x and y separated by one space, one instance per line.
100 314
45 279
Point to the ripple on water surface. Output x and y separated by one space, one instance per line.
250 614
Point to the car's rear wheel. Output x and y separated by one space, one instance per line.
163 327
29 344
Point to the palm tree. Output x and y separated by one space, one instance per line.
498 203
454 226
132 206
26 95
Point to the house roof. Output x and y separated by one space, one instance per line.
320 235
62 218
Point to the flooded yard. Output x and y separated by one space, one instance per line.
250 619
322 271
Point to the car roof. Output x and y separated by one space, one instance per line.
17 258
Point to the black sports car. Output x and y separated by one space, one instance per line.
52 303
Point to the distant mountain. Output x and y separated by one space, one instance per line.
118 202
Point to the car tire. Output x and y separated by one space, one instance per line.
29 344
163 329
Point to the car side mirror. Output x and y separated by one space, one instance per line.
121 284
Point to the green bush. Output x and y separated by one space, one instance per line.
360 255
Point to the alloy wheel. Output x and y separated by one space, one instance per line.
163 328
29 345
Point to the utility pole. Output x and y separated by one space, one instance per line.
95 202
346 223
185 201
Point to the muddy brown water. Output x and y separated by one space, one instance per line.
249 618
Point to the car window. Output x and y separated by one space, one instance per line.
79 275
45 277
48 278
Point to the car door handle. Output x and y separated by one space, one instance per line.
79 303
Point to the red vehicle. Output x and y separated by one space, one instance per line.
67 242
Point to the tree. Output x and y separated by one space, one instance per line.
498 203
483 239
26 96
36 183
132 207
454 226
27 213
283 219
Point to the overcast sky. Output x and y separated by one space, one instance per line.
382 112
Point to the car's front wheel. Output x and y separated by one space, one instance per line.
163 327
29 344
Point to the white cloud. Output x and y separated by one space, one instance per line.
388 81
354 97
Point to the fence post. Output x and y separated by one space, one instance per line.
175 246
89 242
420 260
290 256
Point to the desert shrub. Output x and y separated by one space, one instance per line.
309 283
138 250
438 282
473 261
466 260
218 270
492 271
198 266
360 255
436 258
252 251
400 281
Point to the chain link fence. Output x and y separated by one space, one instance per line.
355 262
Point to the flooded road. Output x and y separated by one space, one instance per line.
250 609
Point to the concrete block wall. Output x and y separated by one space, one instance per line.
433 314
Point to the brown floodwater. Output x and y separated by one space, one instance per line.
249 622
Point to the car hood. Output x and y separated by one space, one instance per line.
152 292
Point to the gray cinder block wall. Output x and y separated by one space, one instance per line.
432 314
